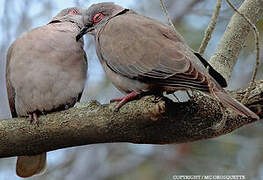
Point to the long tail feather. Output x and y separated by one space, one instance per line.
235 105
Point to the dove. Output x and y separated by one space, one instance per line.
142 55
46 72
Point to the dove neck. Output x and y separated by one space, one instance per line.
124 11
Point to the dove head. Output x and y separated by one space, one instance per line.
74 15
97 15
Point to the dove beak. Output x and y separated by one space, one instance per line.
84 31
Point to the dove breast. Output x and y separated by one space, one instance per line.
47 68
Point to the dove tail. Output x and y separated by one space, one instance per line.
27 166
235 105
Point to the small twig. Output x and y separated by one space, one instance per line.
186 11
167 14
256 35
210 28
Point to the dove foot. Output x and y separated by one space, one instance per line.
123 100
33 118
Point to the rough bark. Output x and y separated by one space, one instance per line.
147 120
142 121
235 36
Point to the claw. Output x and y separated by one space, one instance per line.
33 118
157 99
117 99
123 100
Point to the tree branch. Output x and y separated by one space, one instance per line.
210 28
235 36
142 121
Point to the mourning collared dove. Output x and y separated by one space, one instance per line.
45 72
140 54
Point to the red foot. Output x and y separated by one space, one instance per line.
117 99
33 117
125 99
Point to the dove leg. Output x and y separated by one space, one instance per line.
33 117
123 100
117 99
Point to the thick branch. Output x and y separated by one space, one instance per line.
235 36
142 121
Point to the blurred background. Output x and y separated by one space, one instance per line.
239 153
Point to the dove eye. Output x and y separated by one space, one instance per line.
98 17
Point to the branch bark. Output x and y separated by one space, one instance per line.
143 121
235 36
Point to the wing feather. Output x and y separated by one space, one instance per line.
140 48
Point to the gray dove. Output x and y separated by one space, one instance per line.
46 72
141 55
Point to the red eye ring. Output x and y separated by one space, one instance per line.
98 17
